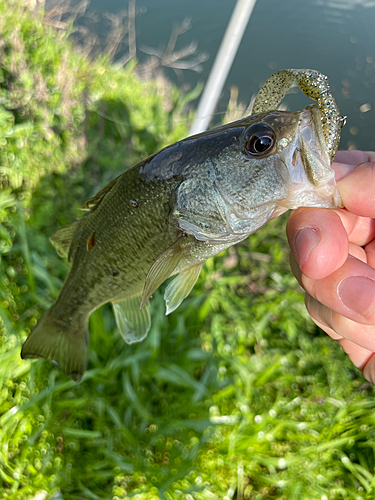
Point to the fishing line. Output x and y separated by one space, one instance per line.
120 122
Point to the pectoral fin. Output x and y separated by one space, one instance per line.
133 323
180 287
162 268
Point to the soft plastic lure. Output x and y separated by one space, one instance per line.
313 84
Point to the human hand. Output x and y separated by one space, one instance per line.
333 258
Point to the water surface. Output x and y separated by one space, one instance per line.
334 37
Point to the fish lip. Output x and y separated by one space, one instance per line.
312 180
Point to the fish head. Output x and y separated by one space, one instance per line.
303 150
246 173
281 162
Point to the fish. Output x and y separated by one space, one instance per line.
168 214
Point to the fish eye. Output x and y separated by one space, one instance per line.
260 139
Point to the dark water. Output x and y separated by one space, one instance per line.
334 37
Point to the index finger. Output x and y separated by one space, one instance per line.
354 157
357 190
346 161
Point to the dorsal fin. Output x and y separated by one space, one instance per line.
93 202
62 239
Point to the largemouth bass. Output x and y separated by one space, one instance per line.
169 213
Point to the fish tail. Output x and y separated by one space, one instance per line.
53 339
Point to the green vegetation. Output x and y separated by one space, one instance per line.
235 395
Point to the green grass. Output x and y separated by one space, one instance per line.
236 395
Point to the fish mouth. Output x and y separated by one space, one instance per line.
312 180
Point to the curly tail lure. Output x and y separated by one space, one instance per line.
313 84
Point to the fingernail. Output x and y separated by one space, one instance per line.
304 241
358 293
